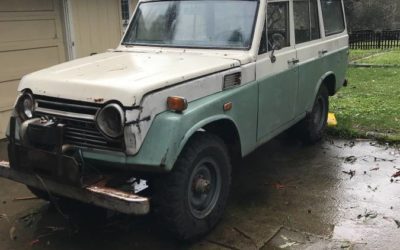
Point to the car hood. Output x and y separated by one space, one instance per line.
122 76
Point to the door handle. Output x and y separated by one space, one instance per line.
323 52
294 61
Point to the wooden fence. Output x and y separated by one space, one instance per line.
368 39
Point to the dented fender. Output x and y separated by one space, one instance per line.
170 131
169 134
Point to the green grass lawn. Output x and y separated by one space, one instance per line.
371 102
390 57
357 54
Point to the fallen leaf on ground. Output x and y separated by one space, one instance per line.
55 229
4 216
368 215
34 242
345 245
351 173
12 233
25 198
371 214
279 186
383 159
350 144
397 174
284 238
387 218
373 188
350 159
397 223
288 244
374 169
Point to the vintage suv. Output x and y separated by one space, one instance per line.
193 86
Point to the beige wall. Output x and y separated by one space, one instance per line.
31 38
132 5
96 25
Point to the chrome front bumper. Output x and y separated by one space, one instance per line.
96 194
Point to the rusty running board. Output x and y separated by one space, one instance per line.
97 194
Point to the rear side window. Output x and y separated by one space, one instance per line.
332 13
306 20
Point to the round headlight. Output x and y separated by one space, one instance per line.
110 120
25 106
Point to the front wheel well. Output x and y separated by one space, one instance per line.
330 83
227 131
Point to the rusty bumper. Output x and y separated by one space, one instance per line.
97 194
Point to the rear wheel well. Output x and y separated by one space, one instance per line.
227 131
330 83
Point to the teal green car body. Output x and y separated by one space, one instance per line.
173 118
175 129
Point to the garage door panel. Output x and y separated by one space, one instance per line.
26 61
28 30
24 45
31 38
20 16
95 29
8 91
26 5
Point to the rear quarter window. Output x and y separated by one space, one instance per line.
332 13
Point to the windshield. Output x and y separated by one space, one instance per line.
203 24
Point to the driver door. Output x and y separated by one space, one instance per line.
277 77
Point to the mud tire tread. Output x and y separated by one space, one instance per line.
309 133
170 191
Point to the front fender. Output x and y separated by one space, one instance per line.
196 127
170 131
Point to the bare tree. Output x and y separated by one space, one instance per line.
372 14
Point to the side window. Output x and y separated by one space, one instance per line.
332 13
263 42
278 30
306 20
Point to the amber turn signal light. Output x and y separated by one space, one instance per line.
176 103
227 106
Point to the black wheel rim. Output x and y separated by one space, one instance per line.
204 188
320 111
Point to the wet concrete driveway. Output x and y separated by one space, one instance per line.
335 195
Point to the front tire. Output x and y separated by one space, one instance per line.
39 193
191 199
313 126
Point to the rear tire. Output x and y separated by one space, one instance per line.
312 128
191 199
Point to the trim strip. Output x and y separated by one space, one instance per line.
65 114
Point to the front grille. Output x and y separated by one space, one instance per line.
79 119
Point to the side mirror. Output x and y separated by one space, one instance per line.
277 44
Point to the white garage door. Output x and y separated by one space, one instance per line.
95 26
30 39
